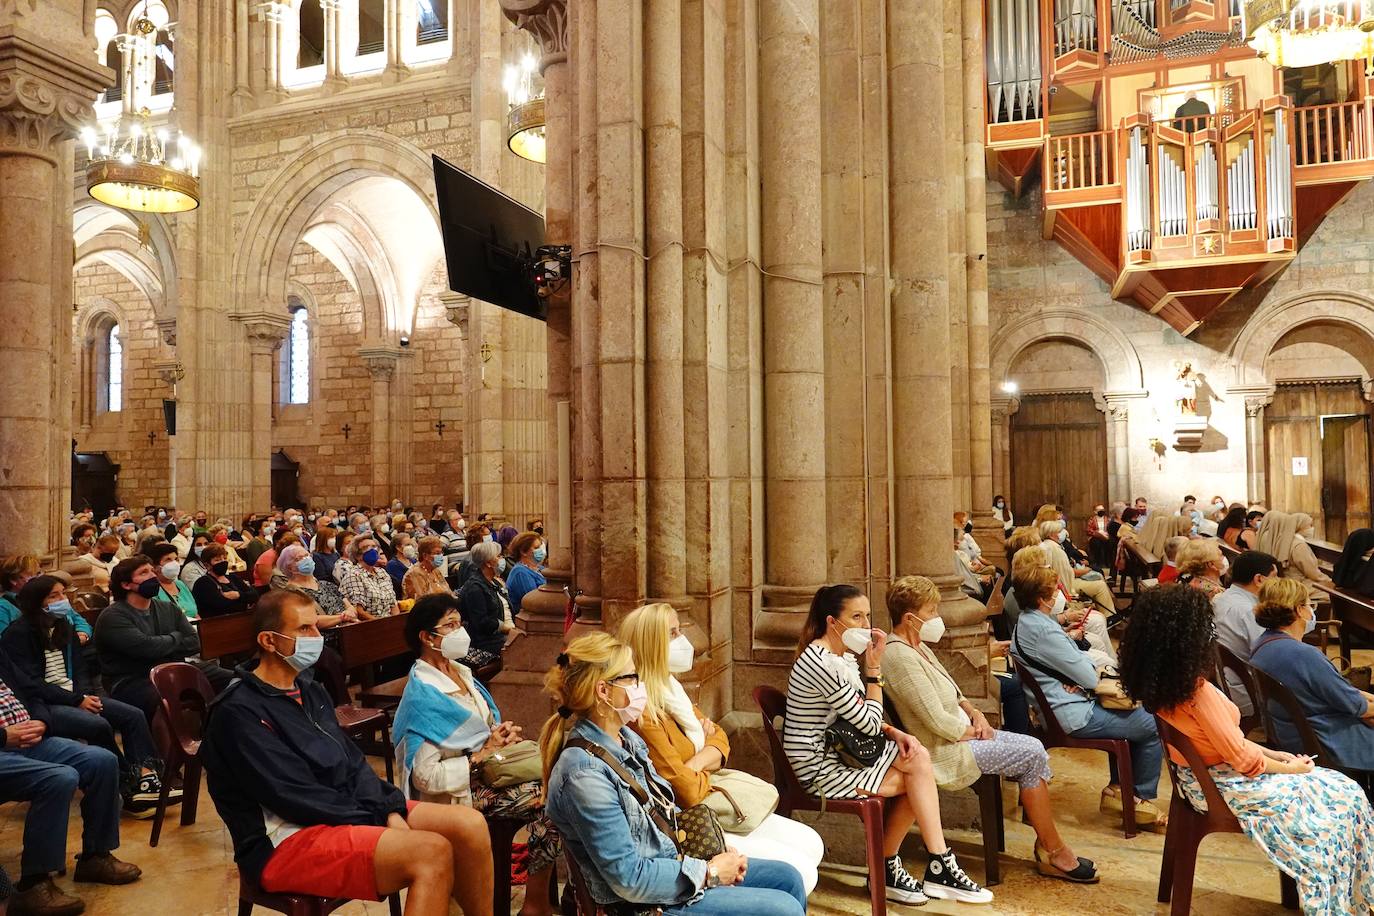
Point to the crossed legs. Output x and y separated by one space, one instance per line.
444 853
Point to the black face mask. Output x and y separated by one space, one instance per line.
968 527
1102 514
106 557
149 588
220 568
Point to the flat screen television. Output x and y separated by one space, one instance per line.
489 241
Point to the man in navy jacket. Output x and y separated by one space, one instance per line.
306 812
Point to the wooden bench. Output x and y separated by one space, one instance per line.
367 642
226 635
1352 610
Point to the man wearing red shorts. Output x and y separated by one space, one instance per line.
306 812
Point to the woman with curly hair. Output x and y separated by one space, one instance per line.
1314 823
1201 565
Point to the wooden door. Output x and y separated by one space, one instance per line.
1317 439
1058 455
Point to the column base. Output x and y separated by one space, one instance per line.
780 620
988 534
519 688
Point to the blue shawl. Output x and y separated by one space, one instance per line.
427 714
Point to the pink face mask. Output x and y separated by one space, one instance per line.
637 697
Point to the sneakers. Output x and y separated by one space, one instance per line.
104 868
44 899
146 788
901 887
945 880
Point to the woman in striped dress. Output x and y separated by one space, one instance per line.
825 685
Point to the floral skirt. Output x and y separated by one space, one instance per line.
523 802
1317 827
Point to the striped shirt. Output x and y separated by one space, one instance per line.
55 669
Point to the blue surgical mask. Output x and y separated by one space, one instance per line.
371 556
501 567
307 652
306 566
61 608
541 554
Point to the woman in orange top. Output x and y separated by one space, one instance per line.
1314 823
686 747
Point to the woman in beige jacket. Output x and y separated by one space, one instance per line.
962 745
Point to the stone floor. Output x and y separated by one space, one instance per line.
191 873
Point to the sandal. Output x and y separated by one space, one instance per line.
1084 873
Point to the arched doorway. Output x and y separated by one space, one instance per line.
95 482
286 482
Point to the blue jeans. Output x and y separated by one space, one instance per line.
769 888
47 775
99 730
1137 727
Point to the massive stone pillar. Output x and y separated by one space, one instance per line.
1116 405
48 78
921 423
793 314
265 332
1257 398
1002 408
387 427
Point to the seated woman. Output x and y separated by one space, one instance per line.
1284 536
686 747
527 556
167 566
1169 572
1314 823
44 650
596 771
1068 677
426 574
220 591
825 687
296 565
962 745
1052 532
447 725
1201 564
1340 714
193 568
405 555
1233 530
1074 619
485 606
1353 570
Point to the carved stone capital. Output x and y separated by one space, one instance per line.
45 98
547 21
1116 404
382 361
458 308
170 371
167 328
265 330
1257 397
1253 406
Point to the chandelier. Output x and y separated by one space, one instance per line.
133 164
525 119
1303 33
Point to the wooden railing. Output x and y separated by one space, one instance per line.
1075 162
1342 132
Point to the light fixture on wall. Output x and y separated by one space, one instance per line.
525 120
1010 388
1304 33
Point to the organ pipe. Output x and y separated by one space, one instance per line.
1173 215
1278 198
1013 60
1137 192
1205 181
1240 188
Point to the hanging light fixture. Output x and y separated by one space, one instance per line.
1303 33
134 164
525 119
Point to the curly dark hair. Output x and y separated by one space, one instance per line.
1167 646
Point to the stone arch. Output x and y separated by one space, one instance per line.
98 313
359 256
1120 363
1271 323
93 319
300 189
104 233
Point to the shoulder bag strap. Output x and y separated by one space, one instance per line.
640 793
1040 666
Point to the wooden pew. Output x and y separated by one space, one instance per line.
226 635
366 642
1351 610
1327 553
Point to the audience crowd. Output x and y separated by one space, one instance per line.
1221 598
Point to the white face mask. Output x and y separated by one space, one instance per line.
1059 603
171 570
1063 536
455 645
680 655
932 630
1225 565
857 639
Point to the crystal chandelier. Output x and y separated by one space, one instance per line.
133 164
525 119
1303 33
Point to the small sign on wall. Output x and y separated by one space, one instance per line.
1300 466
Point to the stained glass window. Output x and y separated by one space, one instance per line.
298 358
115 371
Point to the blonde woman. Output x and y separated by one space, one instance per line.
962 745
1095 624
606 799
686 747
1202 564
1074 620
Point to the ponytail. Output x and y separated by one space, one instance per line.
572 684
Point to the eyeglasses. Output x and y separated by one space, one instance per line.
444 629
625 680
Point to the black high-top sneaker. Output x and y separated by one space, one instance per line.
900 886
945 880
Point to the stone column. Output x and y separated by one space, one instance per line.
1116 405
48 80
1000 411
382 363
171 372
333 42
395 29
921 423
793 314
1257 397
265 332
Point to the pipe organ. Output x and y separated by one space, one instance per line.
1171 160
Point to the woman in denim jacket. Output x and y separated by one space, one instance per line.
627 861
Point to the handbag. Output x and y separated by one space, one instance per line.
740 801
1109 693
853 747
695 830
511 765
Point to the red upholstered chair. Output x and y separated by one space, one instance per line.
1052 734
1188 826
296 904
183 694
793 797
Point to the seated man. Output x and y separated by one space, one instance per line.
306 812
140 631
46 772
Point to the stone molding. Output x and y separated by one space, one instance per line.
382 361
170 371
265 330
547 21
45 98
1121 365
1268 325
167 329
459 310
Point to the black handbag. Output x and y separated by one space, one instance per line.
695 830
853 747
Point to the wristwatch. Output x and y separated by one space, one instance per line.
879 680
712 876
